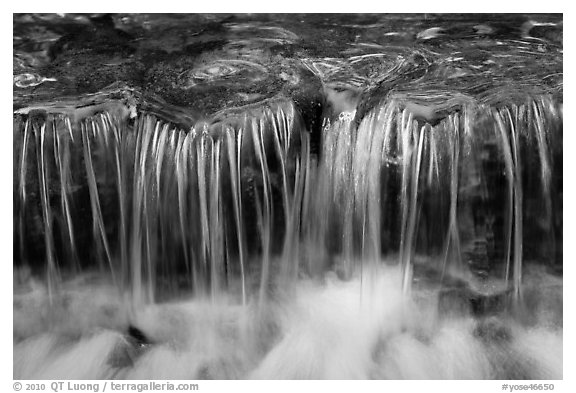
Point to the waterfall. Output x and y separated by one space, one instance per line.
244 196
371 196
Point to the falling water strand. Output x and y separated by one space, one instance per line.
265 214
216 256
181 156
281 141
22 187
291 254
203 153
99 229
406 151
335 174
150 214
52 268
371 169
407 250
161 147
62 153
452 237
120 166
517 285
234 144
138 292
510 191
545 166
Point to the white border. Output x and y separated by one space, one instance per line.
297 6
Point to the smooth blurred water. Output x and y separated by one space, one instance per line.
288 196
335 329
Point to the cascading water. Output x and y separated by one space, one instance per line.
392 214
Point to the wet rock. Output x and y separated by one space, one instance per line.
134 345
465 301
492 331
137 336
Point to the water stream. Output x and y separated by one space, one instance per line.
241 199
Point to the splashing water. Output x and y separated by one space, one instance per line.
337 330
